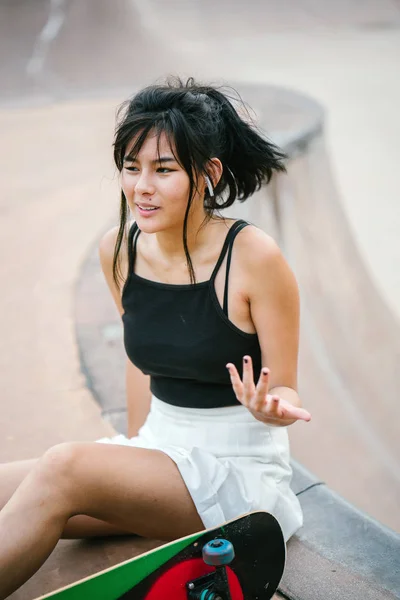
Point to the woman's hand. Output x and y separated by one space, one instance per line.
270 409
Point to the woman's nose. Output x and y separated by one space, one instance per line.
144 184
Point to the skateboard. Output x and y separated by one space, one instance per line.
240 560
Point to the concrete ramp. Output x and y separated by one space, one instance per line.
350 345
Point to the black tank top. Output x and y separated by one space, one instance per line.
182 338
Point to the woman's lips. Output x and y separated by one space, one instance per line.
147 213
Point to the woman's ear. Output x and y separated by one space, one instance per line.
214 171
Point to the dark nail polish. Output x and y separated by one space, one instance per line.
246 360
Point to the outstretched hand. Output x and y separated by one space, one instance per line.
270 409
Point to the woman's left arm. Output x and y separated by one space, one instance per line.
274 304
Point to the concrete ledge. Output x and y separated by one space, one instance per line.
339 552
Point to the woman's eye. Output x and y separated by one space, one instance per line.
160 170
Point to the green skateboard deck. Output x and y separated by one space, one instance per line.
240 560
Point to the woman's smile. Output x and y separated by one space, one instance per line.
147 210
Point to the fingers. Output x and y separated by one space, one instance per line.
244 390
298 413
261 390
276 408
248 380
236 382
256 398
273 408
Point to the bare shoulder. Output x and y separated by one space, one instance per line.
107 244
262 259
106 252
257 248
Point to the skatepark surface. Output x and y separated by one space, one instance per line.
66 66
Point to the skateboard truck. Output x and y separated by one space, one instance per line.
213 586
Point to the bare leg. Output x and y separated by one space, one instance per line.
136 490
81 526
11 475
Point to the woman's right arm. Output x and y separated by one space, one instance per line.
138 393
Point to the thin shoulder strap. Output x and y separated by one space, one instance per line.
225 247
132 242
233 231
228 264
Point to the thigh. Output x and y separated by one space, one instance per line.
133 489
80 526
11 475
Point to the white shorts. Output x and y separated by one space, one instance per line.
230 462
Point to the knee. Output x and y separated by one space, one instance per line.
56 466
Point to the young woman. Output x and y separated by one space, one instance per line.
211 313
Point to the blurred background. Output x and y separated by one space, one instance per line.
65 67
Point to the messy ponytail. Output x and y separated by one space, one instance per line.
200 123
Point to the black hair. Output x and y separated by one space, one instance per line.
200 123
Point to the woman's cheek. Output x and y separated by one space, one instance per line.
179 190
128 188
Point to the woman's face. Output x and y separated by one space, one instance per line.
156 187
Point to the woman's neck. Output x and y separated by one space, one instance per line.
199 235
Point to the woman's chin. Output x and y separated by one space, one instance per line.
152 225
